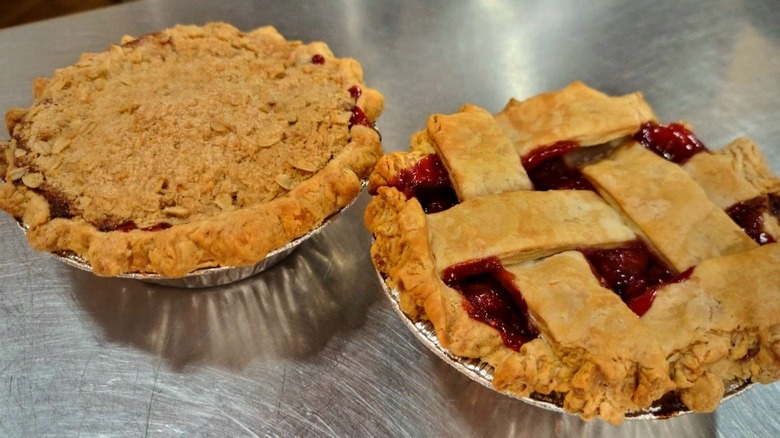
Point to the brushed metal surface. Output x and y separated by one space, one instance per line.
312 347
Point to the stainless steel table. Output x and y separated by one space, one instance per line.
312 347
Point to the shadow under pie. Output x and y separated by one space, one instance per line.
289 311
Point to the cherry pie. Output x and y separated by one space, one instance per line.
584 249
188 148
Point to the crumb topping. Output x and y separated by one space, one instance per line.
170 127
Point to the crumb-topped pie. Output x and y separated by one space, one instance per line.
192 147
583 249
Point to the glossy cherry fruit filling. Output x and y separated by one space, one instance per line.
359 117
548 171
749 215
633 272
640 304
355 91
59 205
544 153
491 297
773 200
429 182
555 174
128 226
673 141
628 269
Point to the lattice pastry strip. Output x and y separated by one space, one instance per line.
669 208
616 364
738 179
523 225
478 156
576 114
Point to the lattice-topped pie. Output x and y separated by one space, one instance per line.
188 148
584 249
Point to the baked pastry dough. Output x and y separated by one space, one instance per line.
667 206
591 118
615 363
476 153
188 148
524 225
549 287
401 251
737 174
722 324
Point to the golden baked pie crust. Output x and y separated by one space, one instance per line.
597 374
723 323
616 364
240 142
479 165
523 225
667 205
592 118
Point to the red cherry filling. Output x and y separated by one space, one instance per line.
59 206
774 204
544 153
628 269
157 227
318 59
749 216
555 174
128 226
359 118
548 171
640 304
673 141
491 297
458 273
355 92
429 182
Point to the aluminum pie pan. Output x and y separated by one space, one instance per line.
210 276
481 372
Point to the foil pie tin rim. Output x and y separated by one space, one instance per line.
211 276
482 372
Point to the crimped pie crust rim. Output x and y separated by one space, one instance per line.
482 372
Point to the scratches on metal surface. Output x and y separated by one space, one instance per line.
240 424
279 396
285 312
151 397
